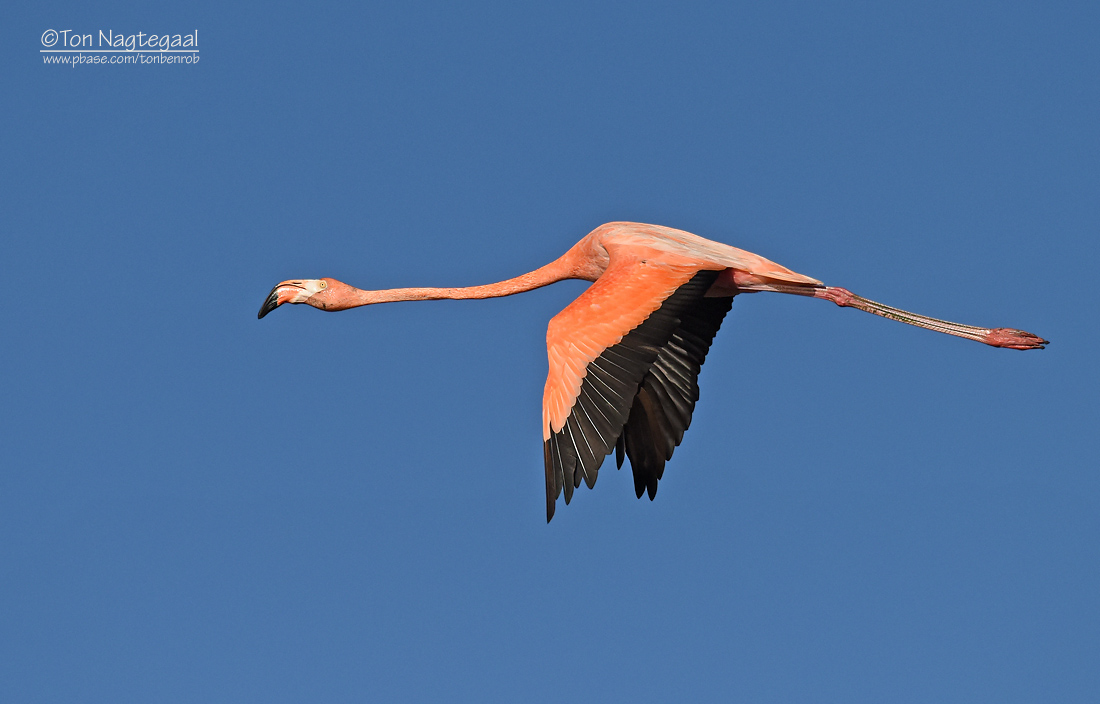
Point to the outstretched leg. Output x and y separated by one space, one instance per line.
997 337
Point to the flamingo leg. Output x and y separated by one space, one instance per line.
997 337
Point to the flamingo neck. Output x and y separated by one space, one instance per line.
557 270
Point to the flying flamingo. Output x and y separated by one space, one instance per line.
625 355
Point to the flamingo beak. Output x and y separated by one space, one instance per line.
271 303
297 291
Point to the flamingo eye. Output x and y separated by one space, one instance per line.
324 284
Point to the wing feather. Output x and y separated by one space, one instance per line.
661 411
601 349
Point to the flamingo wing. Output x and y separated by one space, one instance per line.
624 362
666 398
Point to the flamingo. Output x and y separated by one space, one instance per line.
625 355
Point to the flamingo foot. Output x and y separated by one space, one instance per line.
1014 339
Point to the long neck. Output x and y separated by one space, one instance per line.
997 337
557 270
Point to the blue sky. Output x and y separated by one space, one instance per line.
199 506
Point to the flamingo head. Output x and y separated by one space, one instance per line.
326 294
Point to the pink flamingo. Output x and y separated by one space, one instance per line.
625 355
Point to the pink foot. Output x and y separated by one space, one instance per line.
1014 339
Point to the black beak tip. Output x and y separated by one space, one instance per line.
269 305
